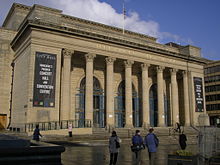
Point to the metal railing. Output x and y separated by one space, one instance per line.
56 125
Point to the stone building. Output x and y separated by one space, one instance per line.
71 70
212 90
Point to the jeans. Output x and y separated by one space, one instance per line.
152 157
138 157
113 158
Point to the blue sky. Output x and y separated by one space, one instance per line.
195 22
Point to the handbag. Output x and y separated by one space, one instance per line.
136 148
117 144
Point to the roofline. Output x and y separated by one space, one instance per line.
60 29
14 5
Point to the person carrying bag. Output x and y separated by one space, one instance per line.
152 142
114 145
137 145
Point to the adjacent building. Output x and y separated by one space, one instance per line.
69 70
212 90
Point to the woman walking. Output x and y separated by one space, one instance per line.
114 145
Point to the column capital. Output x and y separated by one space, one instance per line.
160 68
128 63
145 66
67 53
173 71
90 57
110 60
185 72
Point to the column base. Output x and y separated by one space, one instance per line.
161 125
128 126
145 125
187 125
110 128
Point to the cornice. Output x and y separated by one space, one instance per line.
107 27
39 24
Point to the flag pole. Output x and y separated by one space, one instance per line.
124 17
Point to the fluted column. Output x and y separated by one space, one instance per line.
89 87
128 94
109 92
186 98
174 96
160 97
145 96
66 77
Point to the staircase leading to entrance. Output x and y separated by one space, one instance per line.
166 134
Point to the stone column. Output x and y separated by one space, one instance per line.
174 96
66 77
89 89
145 96
160 97
186 98
128 94
110 92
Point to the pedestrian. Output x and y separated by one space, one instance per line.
182 141
36 134
137 145
70 130
178 127
151 141
114 145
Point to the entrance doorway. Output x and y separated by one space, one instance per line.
120 107
153 106
98 104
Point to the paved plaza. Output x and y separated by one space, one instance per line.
96 153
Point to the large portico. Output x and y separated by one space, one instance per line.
127 93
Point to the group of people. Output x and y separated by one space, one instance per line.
138 144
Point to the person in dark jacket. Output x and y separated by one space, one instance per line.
37 135
138 144
152 142
182 141
114 148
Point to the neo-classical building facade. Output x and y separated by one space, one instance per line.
70 70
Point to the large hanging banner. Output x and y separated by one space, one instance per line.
44 80
198 94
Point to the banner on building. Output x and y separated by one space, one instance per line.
198 94
44 80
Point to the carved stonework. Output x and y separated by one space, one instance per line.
110 60
67 53
145 66
90 57
160 68
173 71
128 63
185 72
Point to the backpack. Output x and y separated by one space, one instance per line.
155 139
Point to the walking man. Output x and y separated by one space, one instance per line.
138 145
152 142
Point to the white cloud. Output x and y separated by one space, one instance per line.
103 12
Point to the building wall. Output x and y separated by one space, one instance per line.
20 88
6 57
